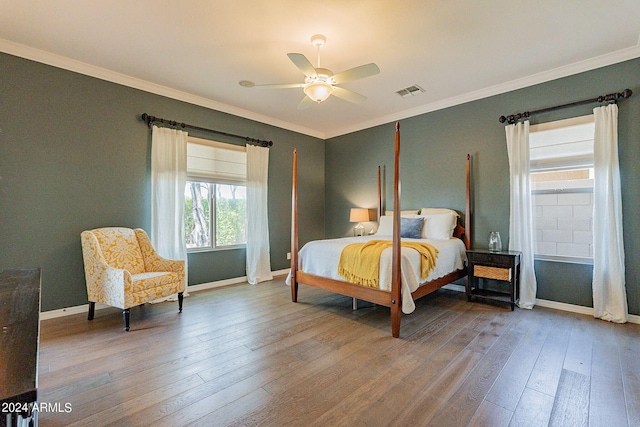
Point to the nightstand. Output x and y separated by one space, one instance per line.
503 268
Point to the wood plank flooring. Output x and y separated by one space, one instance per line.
246 355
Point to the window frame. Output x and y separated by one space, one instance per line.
212 196
578 189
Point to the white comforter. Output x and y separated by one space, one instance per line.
321 258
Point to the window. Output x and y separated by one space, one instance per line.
561 160
215 195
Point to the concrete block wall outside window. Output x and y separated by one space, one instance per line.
564 224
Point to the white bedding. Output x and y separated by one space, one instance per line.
321 258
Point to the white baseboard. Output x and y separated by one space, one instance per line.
84 308
282 272
632 318
217 284
68 311
234 281
565 307
553 304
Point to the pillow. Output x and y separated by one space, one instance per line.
403 213
438 211
431 211
411 228
439 226
385 228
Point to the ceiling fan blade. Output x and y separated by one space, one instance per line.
355 73
348 95
303 64
306 103
281 86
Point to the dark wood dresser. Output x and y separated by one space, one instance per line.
20 323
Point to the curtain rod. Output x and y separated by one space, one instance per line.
612 97
149 120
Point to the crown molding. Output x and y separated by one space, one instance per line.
58 61
65 63
534 79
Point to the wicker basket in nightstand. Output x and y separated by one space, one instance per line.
495 273
500 266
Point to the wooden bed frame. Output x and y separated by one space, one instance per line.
393 298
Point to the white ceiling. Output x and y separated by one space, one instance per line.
198 50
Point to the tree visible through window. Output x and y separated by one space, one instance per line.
231 215
224 225
197 215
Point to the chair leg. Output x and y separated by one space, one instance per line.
180 298
126 316
92 310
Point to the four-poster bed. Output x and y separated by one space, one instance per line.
392 294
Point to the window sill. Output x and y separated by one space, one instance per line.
565 259
225 248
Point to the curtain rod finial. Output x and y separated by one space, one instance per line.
147 119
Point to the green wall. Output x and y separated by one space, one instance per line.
74 155
433 153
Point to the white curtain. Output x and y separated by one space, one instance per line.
168 180
520 213
609 293
258 252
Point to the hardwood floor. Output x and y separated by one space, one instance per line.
246 355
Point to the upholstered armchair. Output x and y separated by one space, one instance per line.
123 270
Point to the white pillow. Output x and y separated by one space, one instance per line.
431 211
438 211
385 228
439 226
406 214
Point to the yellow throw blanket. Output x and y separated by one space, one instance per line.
360 262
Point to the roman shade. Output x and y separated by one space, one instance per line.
216 162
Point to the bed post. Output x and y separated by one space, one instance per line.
294 228
379 195
467 214
396 285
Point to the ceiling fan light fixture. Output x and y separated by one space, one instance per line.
320 83
318 91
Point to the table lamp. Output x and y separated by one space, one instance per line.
359 215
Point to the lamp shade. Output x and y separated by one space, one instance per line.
359 215
318 91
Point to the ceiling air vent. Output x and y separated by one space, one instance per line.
410 91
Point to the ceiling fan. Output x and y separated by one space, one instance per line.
320 83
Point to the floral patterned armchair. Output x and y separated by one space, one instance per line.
123 270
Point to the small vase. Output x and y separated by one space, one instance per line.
495 244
